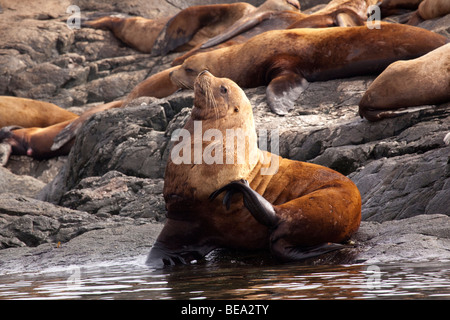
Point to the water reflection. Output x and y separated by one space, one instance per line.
232 280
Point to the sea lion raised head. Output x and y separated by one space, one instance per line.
219 140
298 211
215 99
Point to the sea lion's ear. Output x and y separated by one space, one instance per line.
283 90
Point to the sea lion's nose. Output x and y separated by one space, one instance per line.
203 72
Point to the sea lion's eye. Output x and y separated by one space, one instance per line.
294 4
189 70
223 90
236 109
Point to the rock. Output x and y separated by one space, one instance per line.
42 170
420 238
19 184
113 244
117 194
28 222
132 141
390 191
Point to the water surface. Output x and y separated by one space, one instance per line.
231 280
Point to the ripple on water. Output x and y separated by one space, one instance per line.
232 281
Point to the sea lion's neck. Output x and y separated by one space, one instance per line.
264 171
217 156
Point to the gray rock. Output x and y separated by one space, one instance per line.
117 194
43 170
405 186
19 184
420 238
133 141
113 244
28 222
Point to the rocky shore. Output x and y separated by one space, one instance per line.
104 201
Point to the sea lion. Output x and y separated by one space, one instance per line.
344 12
68 132
31 113
183 31
405 84
337 16
430 9
285 60
276 21
39 142
393 7
197 24
137 32
295 209
34 142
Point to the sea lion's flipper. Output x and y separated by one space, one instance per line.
105 22
346 20
286 252
182 27
261 209
72 129
66 134
7 142
159 256
283 90
237 28
5 153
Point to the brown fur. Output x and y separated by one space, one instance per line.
314 204
404 84
430 9
39 142
31 113
36 142
319 54
139 33
283 59
342 13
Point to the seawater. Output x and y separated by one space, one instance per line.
231 280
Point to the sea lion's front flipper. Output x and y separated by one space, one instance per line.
261 209
286 252
283 90
71 130
159 257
